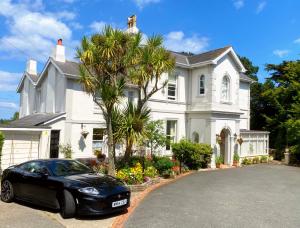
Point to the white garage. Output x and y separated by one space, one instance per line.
23 144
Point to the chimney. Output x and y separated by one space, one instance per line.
59 52
31 67
131 25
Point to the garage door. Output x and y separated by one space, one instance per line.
19 147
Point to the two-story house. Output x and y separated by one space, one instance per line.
206 100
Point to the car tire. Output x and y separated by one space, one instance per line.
67 205
7 191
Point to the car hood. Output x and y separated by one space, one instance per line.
96 180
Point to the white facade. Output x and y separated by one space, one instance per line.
204 99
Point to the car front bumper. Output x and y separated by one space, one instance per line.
96 205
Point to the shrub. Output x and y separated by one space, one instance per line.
219 160
1 142
133 175
133 160
264 159
295 155
256 160
100 168
66 150
247 161
194 155
236 157
162 164
150 172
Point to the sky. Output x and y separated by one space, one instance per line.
265 31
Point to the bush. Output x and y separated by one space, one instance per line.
295 155
1 143
100 168
133 160
256 160
264 159
150 172
219 160
247 161
66 150
133 175
194 155
236 157
162 164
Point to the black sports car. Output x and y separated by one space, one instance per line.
64 184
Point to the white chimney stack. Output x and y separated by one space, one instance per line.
31 67
131 23
59 52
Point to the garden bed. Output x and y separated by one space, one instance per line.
143 186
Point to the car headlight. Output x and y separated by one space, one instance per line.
89 190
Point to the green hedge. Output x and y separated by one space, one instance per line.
295 155
1 142
194 155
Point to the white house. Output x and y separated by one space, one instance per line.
207 100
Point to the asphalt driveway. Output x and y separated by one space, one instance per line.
254 196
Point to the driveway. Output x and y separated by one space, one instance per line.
262 195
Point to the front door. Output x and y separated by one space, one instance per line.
54 144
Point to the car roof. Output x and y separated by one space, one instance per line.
47 160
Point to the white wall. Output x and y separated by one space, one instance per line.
244 102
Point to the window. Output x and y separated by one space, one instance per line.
225 90
98 134
130 96
33 167
202 85
172 87
171 133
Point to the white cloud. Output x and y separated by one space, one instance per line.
176 41
76 25
261 6
33 33
238 4
142 3
9 81
97 26
281 53
297 41
8 105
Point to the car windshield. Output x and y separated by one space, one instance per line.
68 168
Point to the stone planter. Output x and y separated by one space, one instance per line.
218 166
143 186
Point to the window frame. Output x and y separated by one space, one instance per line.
175 85
94 141
199 85
170 136
228 89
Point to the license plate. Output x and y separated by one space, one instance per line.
119 203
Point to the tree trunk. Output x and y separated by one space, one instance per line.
128 150
111 163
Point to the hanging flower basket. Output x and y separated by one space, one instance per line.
84 134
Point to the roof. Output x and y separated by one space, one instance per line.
33 120
68 67
207 56
244 77
33 77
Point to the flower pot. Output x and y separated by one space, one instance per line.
235 163
218 165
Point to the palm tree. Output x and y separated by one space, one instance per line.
134 126
105 60
153 61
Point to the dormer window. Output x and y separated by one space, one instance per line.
172 86
202 85
225 90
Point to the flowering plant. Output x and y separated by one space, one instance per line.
133 175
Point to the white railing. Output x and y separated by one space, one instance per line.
254 143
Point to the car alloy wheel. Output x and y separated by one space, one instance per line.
6 191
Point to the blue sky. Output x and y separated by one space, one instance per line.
266 31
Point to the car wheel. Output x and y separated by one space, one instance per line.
7 192
67 205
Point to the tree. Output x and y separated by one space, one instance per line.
7 121
105 61
133 126
153 61
156 136
284 97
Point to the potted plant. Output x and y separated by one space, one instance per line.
236 159
219 161
99 155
